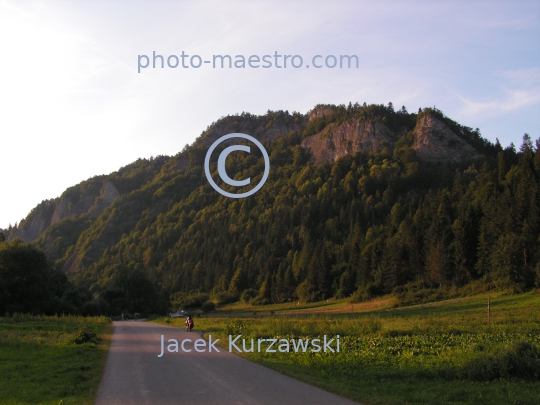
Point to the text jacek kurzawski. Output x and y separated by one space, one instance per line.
267 345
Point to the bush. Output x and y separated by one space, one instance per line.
520 361
208 306
248 295
95 308
226 298
260 301
188 301
417 292
366 293
85 336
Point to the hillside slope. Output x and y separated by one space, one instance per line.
360 200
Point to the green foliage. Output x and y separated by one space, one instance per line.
85 336
248 294
208 306
41 363
360 227
226 298
184 301
64 235
28 281
519 361
443 353
418 292
396 121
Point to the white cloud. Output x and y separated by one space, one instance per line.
520 88
514 100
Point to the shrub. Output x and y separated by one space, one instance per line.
85 336
95 308
260 301
365 293
248 295
520 361
189 301
226 298
417 292
208 306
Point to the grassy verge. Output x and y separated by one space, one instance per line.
47 360
437 353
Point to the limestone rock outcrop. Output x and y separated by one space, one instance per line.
433 141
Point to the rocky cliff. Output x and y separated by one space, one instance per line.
108 194
433 140
35 223
348 138
264 128
78 228
74 202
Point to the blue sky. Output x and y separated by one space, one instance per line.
72 104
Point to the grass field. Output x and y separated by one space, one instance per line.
437 353
46 360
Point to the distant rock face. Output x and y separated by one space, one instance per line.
261 133
348 138
66 207
89 203
319 112
434 142
34 225
108 194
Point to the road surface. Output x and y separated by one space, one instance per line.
135 375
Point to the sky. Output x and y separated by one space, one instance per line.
73 104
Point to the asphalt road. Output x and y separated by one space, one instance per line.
135 375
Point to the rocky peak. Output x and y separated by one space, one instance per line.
108 194
264 128
35 223
321 111
352 136
51 212
433 141
70 207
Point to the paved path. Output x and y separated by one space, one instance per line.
135 375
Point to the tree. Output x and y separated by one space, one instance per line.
506 260
28 281
238 283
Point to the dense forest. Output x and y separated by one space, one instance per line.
365 225
29 283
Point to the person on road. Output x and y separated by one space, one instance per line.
189 323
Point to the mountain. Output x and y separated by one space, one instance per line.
361 200
433 141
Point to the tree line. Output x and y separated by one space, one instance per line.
360 227
364 226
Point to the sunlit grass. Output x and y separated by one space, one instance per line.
436 353
41 364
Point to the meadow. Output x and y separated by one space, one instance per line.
439 353
52 360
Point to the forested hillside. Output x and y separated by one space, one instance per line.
430 207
